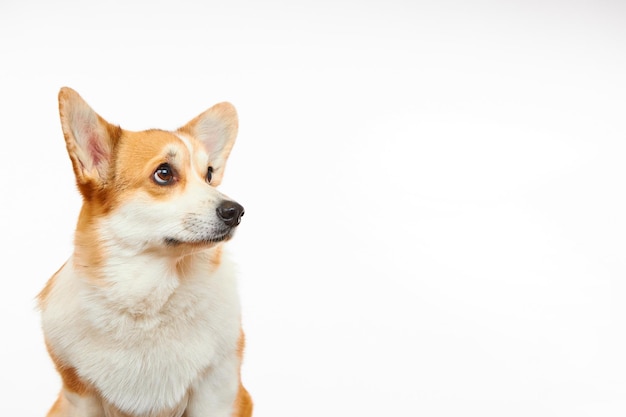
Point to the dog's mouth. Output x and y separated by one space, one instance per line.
211 240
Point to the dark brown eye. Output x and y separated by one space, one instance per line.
209 174
164 174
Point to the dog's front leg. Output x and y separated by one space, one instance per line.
214 394
72 404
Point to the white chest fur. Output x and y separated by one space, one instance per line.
147 334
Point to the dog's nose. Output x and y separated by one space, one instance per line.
230 212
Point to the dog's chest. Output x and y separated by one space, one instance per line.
145 357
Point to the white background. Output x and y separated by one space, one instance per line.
434 191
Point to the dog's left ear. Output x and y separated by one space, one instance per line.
216 128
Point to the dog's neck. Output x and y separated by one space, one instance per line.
138 281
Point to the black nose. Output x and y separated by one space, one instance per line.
230 212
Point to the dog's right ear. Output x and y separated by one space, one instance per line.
90 141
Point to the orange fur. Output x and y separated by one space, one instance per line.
243 403
43 294
71 380
139 152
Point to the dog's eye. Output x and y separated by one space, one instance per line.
164 174
209 174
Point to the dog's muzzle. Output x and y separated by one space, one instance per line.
230 212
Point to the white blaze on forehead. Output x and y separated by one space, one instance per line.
186 140
197 153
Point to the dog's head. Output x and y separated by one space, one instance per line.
154 189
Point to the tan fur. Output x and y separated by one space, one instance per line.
243 403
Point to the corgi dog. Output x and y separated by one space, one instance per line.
144 320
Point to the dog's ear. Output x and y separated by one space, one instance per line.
216 128
89 138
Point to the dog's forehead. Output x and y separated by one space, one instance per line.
163 144
141 152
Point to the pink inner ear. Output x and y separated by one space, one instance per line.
95 149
